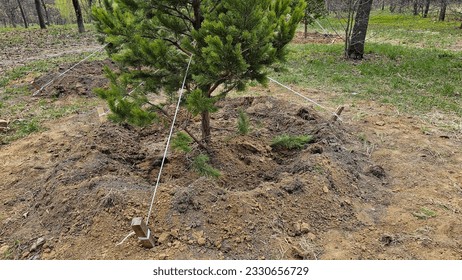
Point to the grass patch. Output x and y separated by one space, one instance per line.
291 142
412 79
28 117
21 129
424 213
399 29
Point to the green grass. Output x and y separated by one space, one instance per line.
290 142
425 213
400 29
410 78
28 117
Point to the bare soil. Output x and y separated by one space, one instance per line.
380 184
317 38
24 46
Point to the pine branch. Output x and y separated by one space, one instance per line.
177 46
184 128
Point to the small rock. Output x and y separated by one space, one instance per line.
198 234
250 147
47 250
37 244
201 241
164 237
176 244
3 250
163 256
297 228
175 232
3 123
304 227
311 236
325 189
380 123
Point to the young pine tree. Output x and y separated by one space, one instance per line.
231 43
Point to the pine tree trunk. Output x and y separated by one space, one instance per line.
205 126
427 8
38 7
442 16
358 37
78 15
196 4
26 25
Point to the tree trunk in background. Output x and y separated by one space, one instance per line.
26 25
12 17
416 7
47 16
38 7
392 6
427 7
358 37
444 4
78 15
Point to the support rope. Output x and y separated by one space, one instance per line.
304 97
168 141
68 70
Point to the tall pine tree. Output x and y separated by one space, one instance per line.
232 42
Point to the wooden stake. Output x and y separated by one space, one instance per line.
338 113
143 232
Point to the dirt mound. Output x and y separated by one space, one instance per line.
81 80
317 38
268 203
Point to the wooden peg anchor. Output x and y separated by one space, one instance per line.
143 232
337 113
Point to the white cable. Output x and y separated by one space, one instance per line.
65 72
168 140
126 237
304 97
